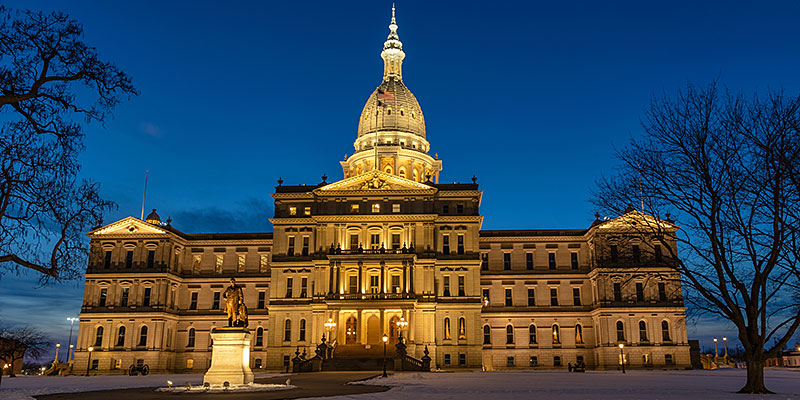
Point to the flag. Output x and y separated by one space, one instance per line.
387 96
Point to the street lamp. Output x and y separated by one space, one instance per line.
622 357
725 342
401 324
58 345
385 339
89 361
71 322
716 354
329 325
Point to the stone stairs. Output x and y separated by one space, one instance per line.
360 358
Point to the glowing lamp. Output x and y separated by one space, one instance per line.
621 345
385 338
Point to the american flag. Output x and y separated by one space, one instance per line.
386 96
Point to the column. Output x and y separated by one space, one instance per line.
411 275
405 278
360 280
383 278
339 272
383 326
359 326
330 282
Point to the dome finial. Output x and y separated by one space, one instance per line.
393 20
392 53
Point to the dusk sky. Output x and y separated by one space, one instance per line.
531 97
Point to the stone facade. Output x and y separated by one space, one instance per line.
350 259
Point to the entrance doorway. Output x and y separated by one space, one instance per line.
351 330
373 330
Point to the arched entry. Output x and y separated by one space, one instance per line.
373 330
393 329
351 336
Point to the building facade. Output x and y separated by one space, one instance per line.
350 259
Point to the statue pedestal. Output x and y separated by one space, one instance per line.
230 357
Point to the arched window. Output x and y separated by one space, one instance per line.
350 330
447 328
620 332
143 336
393 328
401 172
462 328
487 335
509 334
98 339
287 330
578 334
532 334
388 169
190 342
302 330
642 331
121 336
415 175
556 334
665 331
260 336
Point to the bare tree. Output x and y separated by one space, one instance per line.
50 83
16 343
726 168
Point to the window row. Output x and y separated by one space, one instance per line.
216 298
127 262
635 253
640 291
532 335
124 299
665 335
219 260
552 263
287 331
120 338
462 329
508 299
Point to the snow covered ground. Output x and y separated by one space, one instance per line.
661 385
25 387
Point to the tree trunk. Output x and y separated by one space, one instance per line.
755 376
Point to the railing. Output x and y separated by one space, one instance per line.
370 296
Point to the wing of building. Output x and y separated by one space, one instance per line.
387 250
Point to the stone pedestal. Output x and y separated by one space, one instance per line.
230 357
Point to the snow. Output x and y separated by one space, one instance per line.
250 387
25 387
661 385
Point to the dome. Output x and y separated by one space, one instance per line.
392 107
153 218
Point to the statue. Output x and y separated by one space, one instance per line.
234 305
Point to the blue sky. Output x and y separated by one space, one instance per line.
531 97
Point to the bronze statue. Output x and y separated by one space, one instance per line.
234 305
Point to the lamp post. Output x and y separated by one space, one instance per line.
401 324
725 342
89 361
71 322
385 339
622 357
716 354
329 325
58 346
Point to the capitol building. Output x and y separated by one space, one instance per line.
385 251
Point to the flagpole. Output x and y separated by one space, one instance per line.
144 195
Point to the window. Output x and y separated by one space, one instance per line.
485 297
151 258
662 291
534 361
556 335
190 343
553 296
262 299
447 359
193 301
639 291
614 253
532 334
617 291
462 359
529 261
290 249
354 244
395 241
306 210
215 303
460 244
305 246
374 285
620 331
354 208
531 297
376 208
646 360
665 331
117 363
461 289
143 336
262 263
103 295
146 297
510 361
98 337
123 301
509 299
637 253
487 335
374 241
303 287
107 260
395 283
551 260
95 365
189 364
129 259
462 328
289 285
446 286
509 334
447 328
446 244
556 361
668 359
445 209
396 208
658 254
507 261
293 211
573 259
353 284
121 336
576 296
642 331
460 208
286 361
287 330
578 334
484 261
257 363
302 330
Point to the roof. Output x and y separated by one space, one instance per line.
220 236
532 232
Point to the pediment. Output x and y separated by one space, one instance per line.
636 220
375 181
128 226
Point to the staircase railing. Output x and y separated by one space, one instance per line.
405 362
